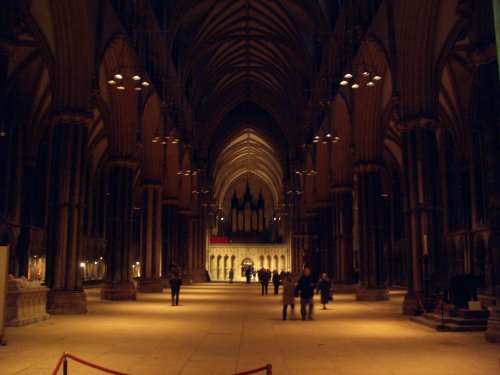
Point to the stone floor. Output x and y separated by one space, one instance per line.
225 328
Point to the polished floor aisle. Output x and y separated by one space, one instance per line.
224 328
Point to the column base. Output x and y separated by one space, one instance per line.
372 294
120 291
150 285
345 288
410 304
65 302
492 334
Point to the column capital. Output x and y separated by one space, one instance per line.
72 116
324 204
418 122
170 201
368 167
341 189
123 163
152 185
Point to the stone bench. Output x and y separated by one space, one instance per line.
26 302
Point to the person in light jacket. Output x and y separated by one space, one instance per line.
288 295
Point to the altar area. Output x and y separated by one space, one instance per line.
222 257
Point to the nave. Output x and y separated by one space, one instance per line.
222 328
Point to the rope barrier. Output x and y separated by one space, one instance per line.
268 368
424 311
86 363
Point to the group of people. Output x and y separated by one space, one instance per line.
305 289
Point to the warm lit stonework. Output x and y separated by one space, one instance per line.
142 141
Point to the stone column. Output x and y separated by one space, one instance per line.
373 278
183 239
423 210
119 285
66 194
342 207
24 243
151 240
169 240
325 238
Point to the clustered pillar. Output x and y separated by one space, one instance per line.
67 186
373 280
119 285
170 232
423 210
342 203
151 240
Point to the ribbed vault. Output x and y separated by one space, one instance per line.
248 157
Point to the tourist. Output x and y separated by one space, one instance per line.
231 275
305 289
276 281
175 287
264 281
288 295
247 274
324 287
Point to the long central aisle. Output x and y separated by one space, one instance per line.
227 328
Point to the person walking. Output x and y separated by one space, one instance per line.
305 289
324 287
288 295
175 288
265 281
247 274
276 281
231 275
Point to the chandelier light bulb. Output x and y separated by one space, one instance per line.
355 86
328 135
120 87
136 78
348 75
377 77
370 84
118 76
344 82
112 82
138 88
366 73
145 83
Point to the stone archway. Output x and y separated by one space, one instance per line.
247 263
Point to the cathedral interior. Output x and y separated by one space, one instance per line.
360 138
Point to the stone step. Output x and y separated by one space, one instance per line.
449 327
473 314
456 320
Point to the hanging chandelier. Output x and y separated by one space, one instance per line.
125 76
360 75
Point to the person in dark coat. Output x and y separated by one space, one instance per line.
324 286
175 288
247 275
288 294
305 289
265 281
276 281
231 275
